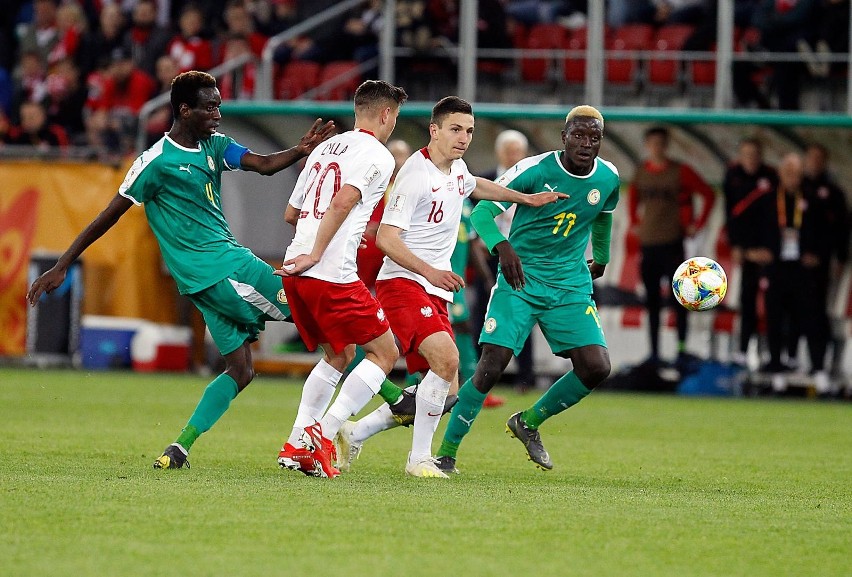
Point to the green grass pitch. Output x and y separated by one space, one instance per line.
642 485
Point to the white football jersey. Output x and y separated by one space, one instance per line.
427 205
356 158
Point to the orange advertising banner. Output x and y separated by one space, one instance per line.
43 207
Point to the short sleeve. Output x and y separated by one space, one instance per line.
297 198
403 199
469 182
141 183
373 168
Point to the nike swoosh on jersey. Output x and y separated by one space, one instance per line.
436 189
433 414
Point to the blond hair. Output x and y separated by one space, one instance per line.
585 110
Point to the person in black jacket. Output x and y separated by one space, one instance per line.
748 206
825 250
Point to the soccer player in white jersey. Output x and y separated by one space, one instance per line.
418 234
342 182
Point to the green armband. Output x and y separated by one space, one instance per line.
601 234
482 219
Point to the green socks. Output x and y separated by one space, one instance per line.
467 356
390 392
564 393
461 419
213 404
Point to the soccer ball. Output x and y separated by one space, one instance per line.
699 283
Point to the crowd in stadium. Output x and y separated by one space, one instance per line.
77 72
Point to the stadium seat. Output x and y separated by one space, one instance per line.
574 67
667 72
626 71
541 37
345 78
297 77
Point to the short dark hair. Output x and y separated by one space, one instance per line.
374 95
657 131
820 147
449 105
185 87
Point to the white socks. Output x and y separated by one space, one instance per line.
360 386
379 420
316 394
431 394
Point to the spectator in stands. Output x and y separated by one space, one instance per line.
785 26
41 35
238 84
71 26
747 186
661 207
66 96
360 35
7 89
189 48
160 120
129 89
240 24
825 250
286 14
785 295
34 129
656 12
831 34
5 127
102 39
30 79
146 40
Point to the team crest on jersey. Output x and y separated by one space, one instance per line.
282 297
490 325
594 196
210 162
372 174
426 312
380 314
396 203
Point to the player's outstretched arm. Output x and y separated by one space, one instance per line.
268 164
389 241
341 205
488 190
53 278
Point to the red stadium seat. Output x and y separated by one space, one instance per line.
626 70
668 39
298 77
346 77
575 66
541 37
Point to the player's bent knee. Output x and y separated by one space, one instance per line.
593 373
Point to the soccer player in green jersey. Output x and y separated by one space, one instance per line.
544 278
178 180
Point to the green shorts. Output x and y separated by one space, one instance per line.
236 308
458 310
567 319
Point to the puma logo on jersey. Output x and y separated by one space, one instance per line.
467 422
549 188
185 168
426 312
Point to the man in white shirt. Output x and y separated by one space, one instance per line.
342 182
418 234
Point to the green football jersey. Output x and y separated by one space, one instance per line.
180 188
458 262
551 240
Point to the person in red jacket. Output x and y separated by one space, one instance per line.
189 48
661 196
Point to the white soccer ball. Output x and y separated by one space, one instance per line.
699 283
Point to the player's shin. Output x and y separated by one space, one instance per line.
214 402
563 394
379 420
461 419
431 394
355 392
316 395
